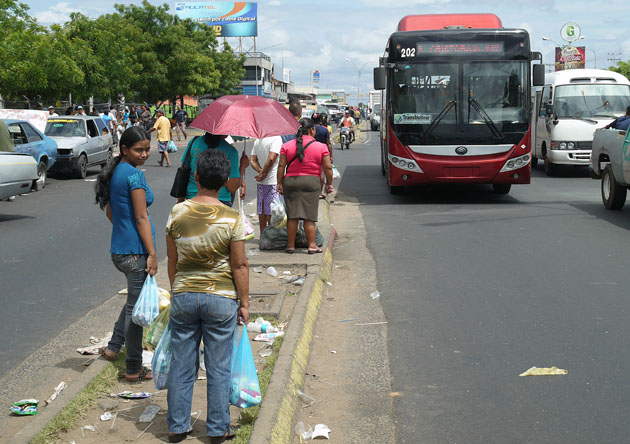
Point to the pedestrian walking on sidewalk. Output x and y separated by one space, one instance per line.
299 171
180 121
264 160
209 276
122 191
164 136
211 141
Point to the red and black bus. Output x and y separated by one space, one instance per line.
456 107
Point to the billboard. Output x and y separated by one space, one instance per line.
570 57
229 19
315 76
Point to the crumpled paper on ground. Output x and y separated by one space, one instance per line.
97 345
544 371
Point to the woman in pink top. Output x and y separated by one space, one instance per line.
299 171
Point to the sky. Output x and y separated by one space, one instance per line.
306 36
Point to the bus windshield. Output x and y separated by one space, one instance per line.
460 102
591 100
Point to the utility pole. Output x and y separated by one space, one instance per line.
614 57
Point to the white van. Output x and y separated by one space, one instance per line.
569 108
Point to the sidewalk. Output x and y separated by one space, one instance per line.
297 306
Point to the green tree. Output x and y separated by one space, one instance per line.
622 68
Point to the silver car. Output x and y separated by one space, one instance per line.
82 142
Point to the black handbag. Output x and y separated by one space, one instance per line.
180 183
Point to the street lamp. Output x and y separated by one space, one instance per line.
358 76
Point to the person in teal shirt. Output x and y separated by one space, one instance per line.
198 145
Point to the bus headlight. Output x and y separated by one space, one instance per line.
404 164
570 146
516 163
562 145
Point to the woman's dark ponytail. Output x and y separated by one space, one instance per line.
102 183
306 125
299 145
129 138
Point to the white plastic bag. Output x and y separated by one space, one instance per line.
247 225
335 173
278 212
148 304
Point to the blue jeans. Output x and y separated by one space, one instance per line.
194 315
125 331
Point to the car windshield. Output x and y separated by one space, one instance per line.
591 100
65 128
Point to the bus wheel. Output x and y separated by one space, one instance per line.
550 168
534 162
501 188
382 164
613 194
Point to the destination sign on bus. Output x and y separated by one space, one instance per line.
460 48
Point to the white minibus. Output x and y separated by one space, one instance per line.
569 108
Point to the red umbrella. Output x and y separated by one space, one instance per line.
246 116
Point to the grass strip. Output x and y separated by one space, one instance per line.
67 418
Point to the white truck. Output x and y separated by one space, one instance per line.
611 164
569 108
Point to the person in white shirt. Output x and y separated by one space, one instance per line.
264 160
51 112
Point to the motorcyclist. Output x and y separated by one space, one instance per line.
348 122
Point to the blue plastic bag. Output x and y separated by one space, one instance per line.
245 389
171 147
161 363
148 304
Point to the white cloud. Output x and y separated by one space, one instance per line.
58 13
274 3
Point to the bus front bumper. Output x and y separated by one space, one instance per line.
569 157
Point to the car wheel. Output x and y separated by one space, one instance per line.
550 168
534 162
613 194
501 188
81 168
40 182
110 157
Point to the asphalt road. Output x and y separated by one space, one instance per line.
477 288
55 264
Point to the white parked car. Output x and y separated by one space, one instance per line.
17 173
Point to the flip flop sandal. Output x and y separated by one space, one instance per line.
289 250
142 376
319 250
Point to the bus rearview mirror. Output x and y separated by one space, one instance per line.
539 75
380 76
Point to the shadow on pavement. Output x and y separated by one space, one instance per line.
359 181
11 217
619 218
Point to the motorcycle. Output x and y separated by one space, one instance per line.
344 137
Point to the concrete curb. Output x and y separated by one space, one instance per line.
274 423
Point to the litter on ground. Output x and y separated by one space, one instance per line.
544 371
60 387
375 295
131 395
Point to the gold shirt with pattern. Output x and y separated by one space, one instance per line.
203 234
